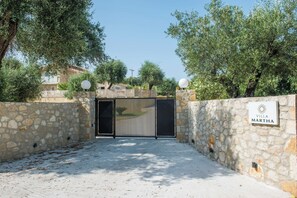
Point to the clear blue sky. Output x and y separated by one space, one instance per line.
135 30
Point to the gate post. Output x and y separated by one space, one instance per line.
183 97
86 102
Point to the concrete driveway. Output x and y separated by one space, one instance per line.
126 168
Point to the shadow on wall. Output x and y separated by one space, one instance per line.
212 134
162 162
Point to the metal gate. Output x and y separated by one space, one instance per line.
141 117
165 118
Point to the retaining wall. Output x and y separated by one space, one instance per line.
27 128
220 130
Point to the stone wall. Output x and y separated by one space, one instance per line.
86 101
27 128
220 130
183 97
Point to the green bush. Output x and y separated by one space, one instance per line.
20 84
74 83
206 89
167 88
63 86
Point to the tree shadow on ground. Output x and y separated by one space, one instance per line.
162 161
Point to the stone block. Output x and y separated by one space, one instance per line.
255 137
192 97
283 171
289 186
180 122
257 173
292 113
283 101
222 156
291 127
5 137
272 175
180 137
293 166
178 96
22 108
291 146
53 118
279 141
262 146
12 124
263 132
28 122
292 101
11 145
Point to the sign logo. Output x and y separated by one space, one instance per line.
261 108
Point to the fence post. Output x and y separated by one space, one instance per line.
183 97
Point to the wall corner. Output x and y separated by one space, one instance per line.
86 108
183 97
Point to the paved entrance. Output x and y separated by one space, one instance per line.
127 168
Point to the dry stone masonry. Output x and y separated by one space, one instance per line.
183 97
220 130
27 128
86 101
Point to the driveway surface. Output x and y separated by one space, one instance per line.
126 167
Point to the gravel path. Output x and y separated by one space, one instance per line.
126 167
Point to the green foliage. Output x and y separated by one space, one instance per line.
56 33
63 86
167 88
207 90
151 74
74 84
19 84
112 71
11 63
133 81
271 85
236 52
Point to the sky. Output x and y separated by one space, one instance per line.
135 30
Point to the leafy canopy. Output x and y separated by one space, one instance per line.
168 87
111 71
151 74
19 83
233 53
56 33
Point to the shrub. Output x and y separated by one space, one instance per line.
20 84
74 83
63 86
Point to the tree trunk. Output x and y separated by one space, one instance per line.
150 87
11 31
231 88
252 84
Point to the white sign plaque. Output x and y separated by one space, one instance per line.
263 113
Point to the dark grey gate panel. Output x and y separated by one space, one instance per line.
105 117
166 118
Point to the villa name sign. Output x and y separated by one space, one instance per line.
263 113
